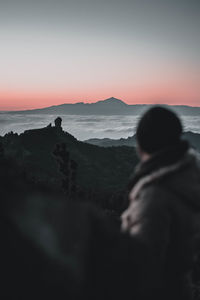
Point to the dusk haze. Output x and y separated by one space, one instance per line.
55 52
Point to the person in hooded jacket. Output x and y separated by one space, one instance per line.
164 204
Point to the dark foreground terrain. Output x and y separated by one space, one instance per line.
60 205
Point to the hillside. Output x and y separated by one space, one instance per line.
193 138
105 169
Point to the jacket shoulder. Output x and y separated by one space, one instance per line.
153 193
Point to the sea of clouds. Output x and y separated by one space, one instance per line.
84 127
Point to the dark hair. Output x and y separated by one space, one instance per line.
159 128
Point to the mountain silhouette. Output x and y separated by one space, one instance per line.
106 142
110 106
191 137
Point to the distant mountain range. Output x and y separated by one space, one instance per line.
106 142
193 138
110 106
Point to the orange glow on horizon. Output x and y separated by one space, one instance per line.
19 100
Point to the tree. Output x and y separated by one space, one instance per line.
2 153
68 167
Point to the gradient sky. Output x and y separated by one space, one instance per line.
141 51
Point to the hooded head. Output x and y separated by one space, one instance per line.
159 128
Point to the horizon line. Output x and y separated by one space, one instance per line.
85 102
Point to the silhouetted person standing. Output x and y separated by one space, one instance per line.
164 207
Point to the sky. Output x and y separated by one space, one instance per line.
63 51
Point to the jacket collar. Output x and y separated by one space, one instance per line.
159 160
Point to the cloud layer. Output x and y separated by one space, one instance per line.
85 127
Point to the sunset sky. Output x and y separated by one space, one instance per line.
66 51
